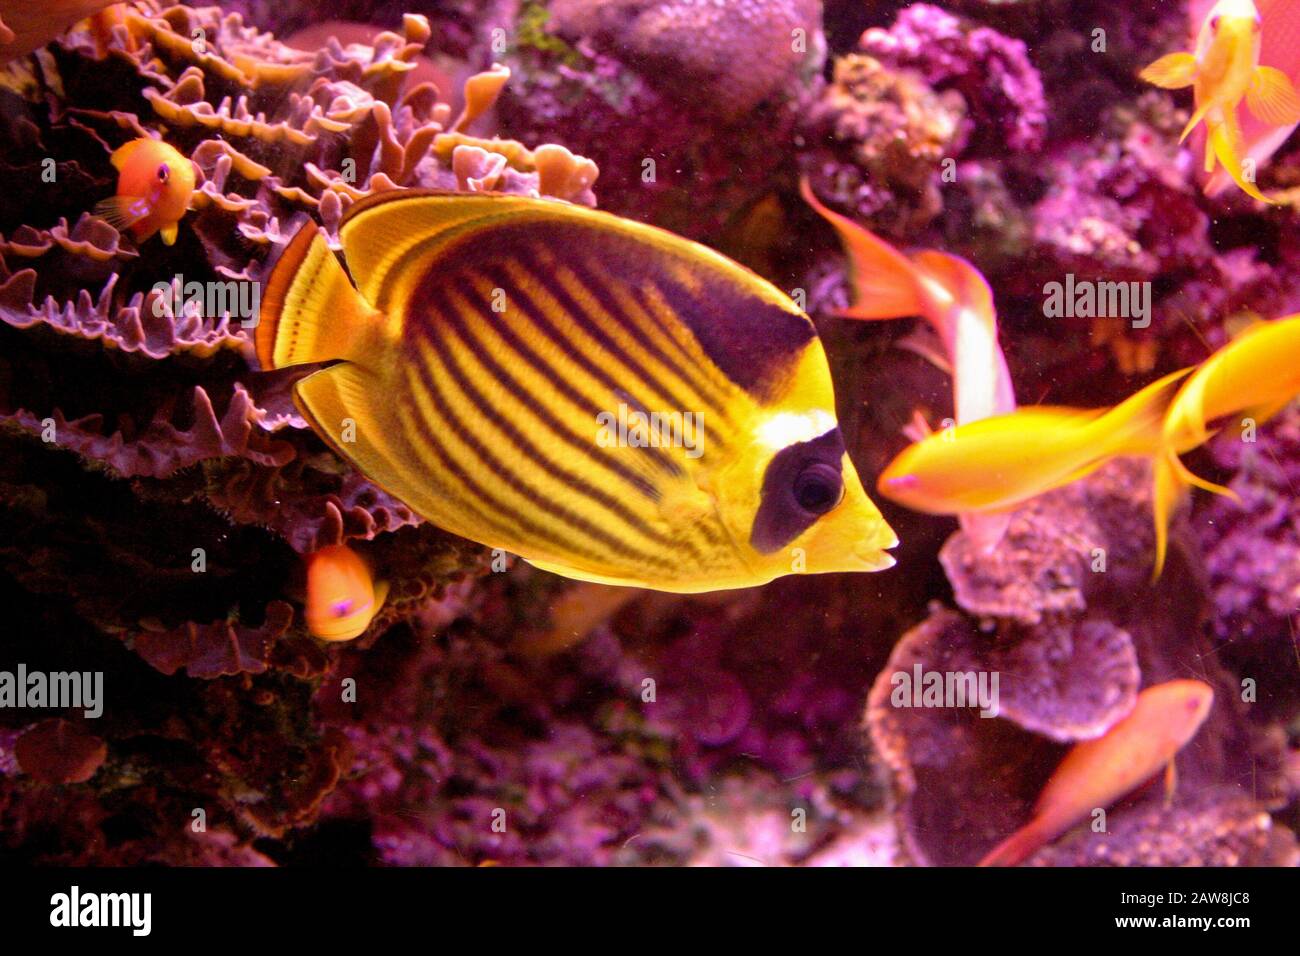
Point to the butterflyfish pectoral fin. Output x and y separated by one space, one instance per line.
1272 97
1171 72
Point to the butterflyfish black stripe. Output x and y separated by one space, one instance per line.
538 318
463 287
544 274
711 375
519 526
454 319
692 377
416 429
511 478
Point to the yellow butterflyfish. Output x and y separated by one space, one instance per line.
1224 70
600 397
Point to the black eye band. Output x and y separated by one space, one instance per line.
802 483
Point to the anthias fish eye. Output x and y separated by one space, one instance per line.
163 173
1214 23
818 488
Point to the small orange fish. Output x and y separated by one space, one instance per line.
1225 69
1096 773
342 596
955 299
154 186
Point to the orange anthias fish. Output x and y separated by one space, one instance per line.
955 299
1096 773
1225 69
342 596
154 186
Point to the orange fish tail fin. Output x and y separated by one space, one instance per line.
1229 147
884 280
310 310
1136 425
1018 847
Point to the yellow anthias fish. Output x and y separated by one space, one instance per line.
1224 70
995 464
1096 773
1257 373
955 299
605 399
154 186
998 463
1279 47
342 596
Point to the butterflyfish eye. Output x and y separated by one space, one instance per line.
163 173
802 482
818 488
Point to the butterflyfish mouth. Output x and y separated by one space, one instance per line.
872 552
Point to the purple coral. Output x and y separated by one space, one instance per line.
993 72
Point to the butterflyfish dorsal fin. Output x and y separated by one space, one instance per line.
310 311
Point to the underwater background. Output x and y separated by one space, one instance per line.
160 491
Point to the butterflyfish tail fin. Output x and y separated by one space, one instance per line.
310 310
884 280
1018 847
